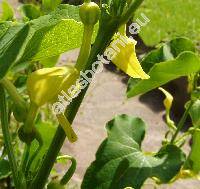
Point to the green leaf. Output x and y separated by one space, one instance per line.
168 51
169 20
193 161
121 163
52 41
30 11
3 28
7 11
47 131
50 5
49 62
161 73
47 36
4 169
51 35
55 36
10 45
195 113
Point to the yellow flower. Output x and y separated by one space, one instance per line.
43 87
125 57
168 104
168 100
44 84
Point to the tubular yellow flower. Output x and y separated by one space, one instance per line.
71 135
125 57
168 104
43 87
168 100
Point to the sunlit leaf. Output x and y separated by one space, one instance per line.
7 11
49 62
47 36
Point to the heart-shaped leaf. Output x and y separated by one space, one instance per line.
121 163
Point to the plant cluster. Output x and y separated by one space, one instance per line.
30 83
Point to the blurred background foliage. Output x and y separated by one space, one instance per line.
170 19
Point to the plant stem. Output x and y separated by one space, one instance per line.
12 91
131 10
7 137
107 28
70 171
182 121
102 40
28 165
25 158
85 47
30 120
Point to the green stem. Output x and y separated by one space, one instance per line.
181 122
25 158
85 47
32 159
103 38
122 29
71 135
129 13
170 123
107 29
29 123
70 171
12 91
7 137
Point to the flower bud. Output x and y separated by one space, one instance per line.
89 13
27 137
55 185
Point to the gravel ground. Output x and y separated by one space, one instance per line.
105 99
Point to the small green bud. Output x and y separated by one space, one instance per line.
20 113
55 185
27 137
89 13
